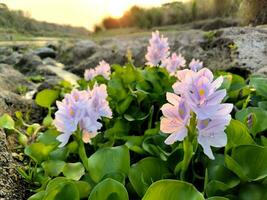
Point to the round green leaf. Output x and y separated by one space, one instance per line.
145 172
84 188
172 190
49 137
38 151
61 189
260 84
237 134
7 122
109 189
53 167
249 162
107 161
73 171
37 196
46 97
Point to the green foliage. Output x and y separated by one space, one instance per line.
46 98
7 122
147 171
128 159
171 189
109 162
109 189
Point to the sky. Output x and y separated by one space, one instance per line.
78 12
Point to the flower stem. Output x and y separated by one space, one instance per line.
188 153
82 152
83 155
188 147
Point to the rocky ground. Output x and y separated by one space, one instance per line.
239 50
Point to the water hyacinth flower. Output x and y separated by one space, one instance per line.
103 69
173 63
176 117
158 49
211 130
89 74
81 109
199 91
195 65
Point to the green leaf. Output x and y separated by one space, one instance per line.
84 188
263 105
155 146
215 187
38 151
217 198
59 154
221 178
147 171
124 105
258 119
108 161
109 189
172 190
49 137
61 188
7 122
73 171
253 191
53 167
37 196
260 84
237 134
134 143
254 168
46 97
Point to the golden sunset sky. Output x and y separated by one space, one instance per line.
78 12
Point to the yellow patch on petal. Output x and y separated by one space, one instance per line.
181 112
201 92
72 112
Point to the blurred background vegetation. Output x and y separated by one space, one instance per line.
246 12
17 22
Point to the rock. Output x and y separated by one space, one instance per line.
49 61
6 51
238 49
213 24
251 44
73 53
28 63
12 186
45 52
11 79
12 59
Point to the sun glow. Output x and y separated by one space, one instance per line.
116 9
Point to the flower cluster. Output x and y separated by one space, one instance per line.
82 109
196 93
158 54
173 63
102 69
158 49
